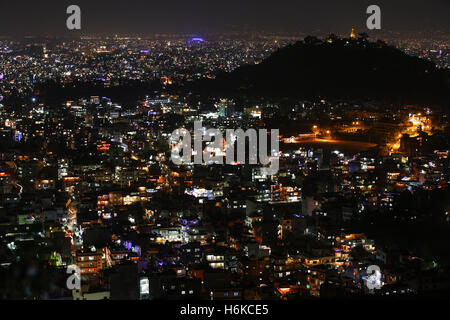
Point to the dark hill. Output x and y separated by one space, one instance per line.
342 69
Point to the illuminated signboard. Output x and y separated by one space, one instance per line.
144 286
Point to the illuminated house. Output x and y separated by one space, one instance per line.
216 261
124 175
191 253
226 294
102 175
221 258
181 177
121 256
70 182
286 226
28 168
44 184
319 260
341 256
103 146
284 289
358 239
283 267
201 237
314 279
90 262
168 286
169 234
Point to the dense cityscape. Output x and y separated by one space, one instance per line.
87 180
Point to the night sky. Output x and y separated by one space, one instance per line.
21 17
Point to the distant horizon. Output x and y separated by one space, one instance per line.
209 36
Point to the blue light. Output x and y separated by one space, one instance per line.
195 40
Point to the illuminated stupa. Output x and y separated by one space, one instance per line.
352 34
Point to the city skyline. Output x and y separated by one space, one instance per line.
224 151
